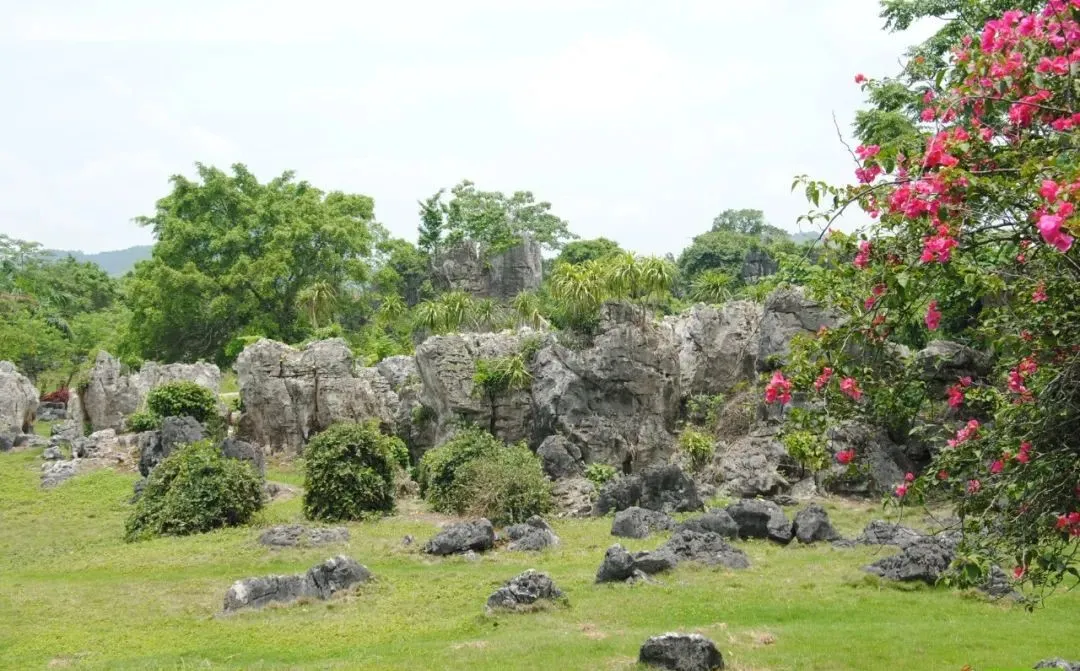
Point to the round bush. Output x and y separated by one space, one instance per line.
507 488
183 398
142 421
599 474
348 473
195 489
400 452
698 446
438 469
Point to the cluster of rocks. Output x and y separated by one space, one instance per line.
292 535
684 546
476 536
320 582
99 449
1058 663
525 592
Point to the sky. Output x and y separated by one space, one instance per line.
638 120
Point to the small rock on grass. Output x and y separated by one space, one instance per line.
681 652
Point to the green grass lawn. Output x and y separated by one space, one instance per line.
73 595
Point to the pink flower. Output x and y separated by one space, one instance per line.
943 475
956 396
996 467
973 486
933 316
845 457
1040 293
1024 456
928 114
850 386
965 381
1049 190
1050 228
862 259
778 389
909 477
901 491
860 78
966 433
864 152
823 379
1018 572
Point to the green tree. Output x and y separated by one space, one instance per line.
743 222
233 255
580 251
716 250
318 301
494 219
432 219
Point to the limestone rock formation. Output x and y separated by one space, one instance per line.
883 463
470 268
761 519
754 465
681 652
462 537
635 522
787 312
812 524
524 591
321 582
661 487
290 535
533 535
18 399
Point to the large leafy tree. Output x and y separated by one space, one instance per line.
233 257
580 251
975 225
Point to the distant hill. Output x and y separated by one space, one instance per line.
116 262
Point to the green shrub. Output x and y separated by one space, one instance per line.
183 398
807 448
704 410
348 473
698 447
599 474
439 467
195 489
507 487
399 451
143 420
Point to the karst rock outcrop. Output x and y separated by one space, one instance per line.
469 267
18 399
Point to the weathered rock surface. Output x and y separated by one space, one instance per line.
244 451
882 463
289 395
573 496
761 519
788 312
112 395
812 524
51 453
321 582
681 652
923 559
462 537
524 591
944 362
175 432
716 521
705 548
662 487
470 268
753 465
102 443
290 535
635 522
531 536
18 399
715 345
559 457
880 532
617 565
51 412
1058 663
55 472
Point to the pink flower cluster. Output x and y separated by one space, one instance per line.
938 247
823 379
1018 377
1069 524
1049 223
778 389
969 431
933 316
862 259
845 457
956 392
850 386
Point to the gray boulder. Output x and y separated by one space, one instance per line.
65 431
715 346
469 267
924 559
52 453
532 536
635 522
705 548
812 525
663 487
681 652
943 362
18 399
559 457
155 446
7 442
1058 663
51 411
761 519
524 591
716 521
462 537
654 562
55 472
321 582
290 535
618 494
880 532
881 463
618 565
787 312
244 451
753 466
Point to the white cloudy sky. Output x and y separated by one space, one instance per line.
638 120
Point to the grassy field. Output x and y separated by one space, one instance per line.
73 595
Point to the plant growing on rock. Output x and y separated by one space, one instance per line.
974 201
142 421
349 473
600 474
182 398
698 446
495 377
194 490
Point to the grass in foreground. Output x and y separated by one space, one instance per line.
72 594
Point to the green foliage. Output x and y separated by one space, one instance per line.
399 451
528 308
142 421
349 473
712 286
698 446
599 474
182 398
507 487
439 468
233 257
496 376
581 251
194 490
807 448
704 409
432 216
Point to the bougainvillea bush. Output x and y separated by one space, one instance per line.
973 240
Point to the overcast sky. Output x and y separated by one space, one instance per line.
638 120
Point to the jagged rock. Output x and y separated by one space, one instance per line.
706 548
715 346
289 395
880 463
618 565
462 537
788 312
1058 663
321 582
880 532
238 449
681 652
65 431
523 591
662 487
573 496
290 535
757 263
155 446
923 559
998 585
944 362
760 519
98 444
635 522
7 443
18 399
752 465
52 454
51 412
812 524
469 267
716 521
532 536
55 472
654 562
559 457
111 395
